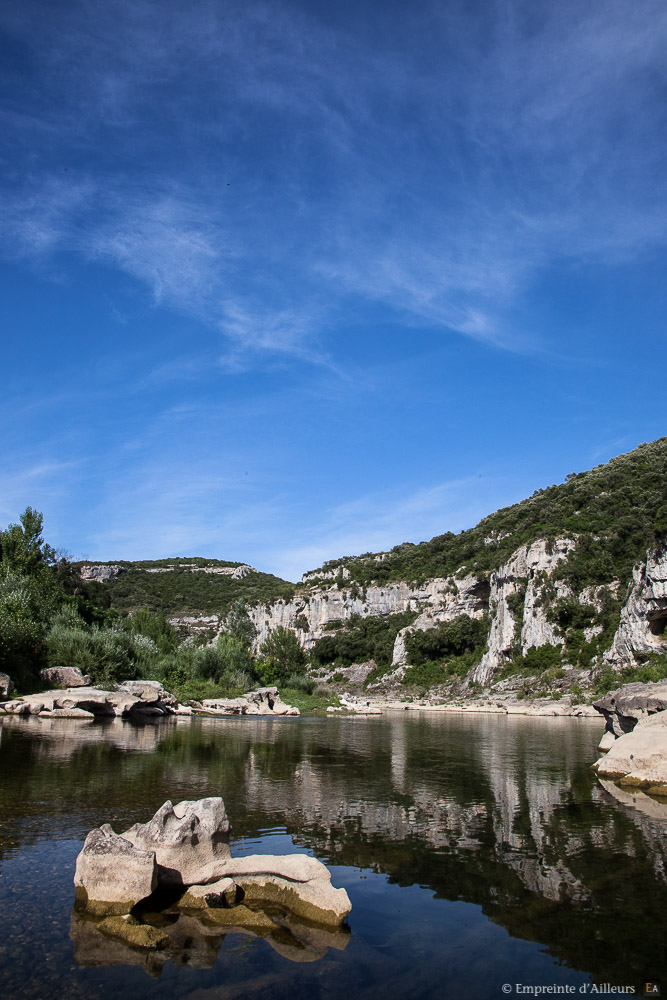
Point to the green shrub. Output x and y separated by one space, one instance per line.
359 640
282 656
108 655
449 639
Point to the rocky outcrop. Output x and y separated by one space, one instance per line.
516 596
6 686
101 573
644 615
187 845
64 677
263 701
630 704
639 757
530 567
90 702
149 691
358 706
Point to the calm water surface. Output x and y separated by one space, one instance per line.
476 851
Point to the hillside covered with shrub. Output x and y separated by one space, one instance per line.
182 587
615 510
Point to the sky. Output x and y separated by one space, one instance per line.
283 282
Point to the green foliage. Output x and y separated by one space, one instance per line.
183 589
234 654
361 639
239 624
305 701
432 672
607 679
21 632
29 596
156 627
449 639
450 650
22 547
108 655
198 690
300 682
282 656
537 660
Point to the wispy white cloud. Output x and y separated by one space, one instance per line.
449 172
377 522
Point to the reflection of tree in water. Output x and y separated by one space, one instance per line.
500 812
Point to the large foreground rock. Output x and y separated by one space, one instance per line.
629 704
639 757
111 874
188 845
187 839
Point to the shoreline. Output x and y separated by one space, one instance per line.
543 708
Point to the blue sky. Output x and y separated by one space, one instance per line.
287 281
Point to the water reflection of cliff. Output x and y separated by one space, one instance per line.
502 812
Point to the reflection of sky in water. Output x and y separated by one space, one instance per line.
475 851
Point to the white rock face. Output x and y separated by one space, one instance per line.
528 566
329 574
101 573
452 597
644 613
528 571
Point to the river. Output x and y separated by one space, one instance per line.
478 851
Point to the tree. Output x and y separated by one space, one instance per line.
156 627
22 547
282 654
240 625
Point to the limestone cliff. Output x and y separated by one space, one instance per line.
644 614
517 597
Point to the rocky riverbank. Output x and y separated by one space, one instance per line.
635 738
136 699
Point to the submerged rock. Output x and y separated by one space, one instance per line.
131 932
